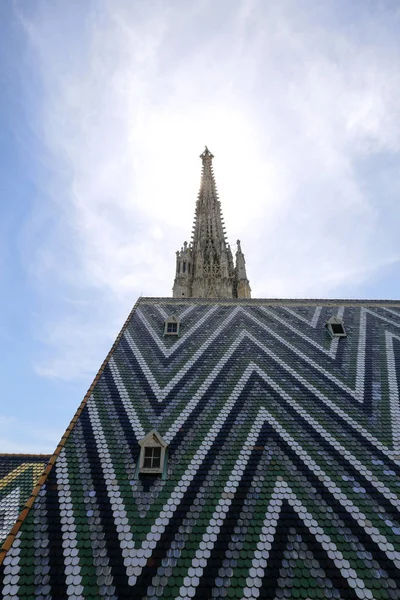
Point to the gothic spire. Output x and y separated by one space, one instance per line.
242 283
205 268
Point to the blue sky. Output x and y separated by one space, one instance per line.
105 107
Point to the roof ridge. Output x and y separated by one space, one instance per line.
27 454
277 301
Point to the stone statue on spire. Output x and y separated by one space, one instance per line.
205 268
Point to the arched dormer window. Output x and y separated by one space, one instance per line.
152 453
171 326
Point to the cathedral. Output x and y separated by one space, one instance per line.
228 447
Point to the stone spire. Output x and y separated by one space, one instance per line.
204 268
242 283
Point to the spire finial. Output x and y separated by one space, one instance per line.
206 155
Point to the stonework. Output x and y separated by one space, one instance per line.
205 267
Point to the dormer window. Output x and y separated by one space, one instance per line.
152 453
335 327
171 326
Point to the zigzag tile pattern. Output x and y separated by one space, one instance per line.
283 461
18 476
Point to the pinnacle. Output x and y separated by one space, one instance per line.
206 155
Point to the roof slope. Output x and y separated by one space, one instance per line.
18 476
283 461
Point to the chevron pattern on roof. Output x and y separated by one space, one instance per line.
18 475
283 461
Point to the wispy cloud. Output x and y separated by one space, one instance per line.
292 98
6 420
16 436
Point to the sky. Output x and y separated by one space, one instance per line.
105 106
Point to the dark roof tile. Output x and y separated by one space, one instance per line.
283 460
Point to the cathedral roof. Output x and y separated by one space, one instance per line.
282 460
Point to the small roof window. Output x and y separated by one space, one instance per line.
335 327
171 326
152 458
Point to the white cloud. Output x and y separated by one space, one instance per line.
288 99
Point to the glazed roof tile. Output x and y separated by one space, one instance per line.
18 476
283 461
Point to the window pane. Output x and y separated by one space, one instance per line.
152 457
156 463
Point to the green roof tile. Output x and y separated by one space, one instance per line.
283 466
